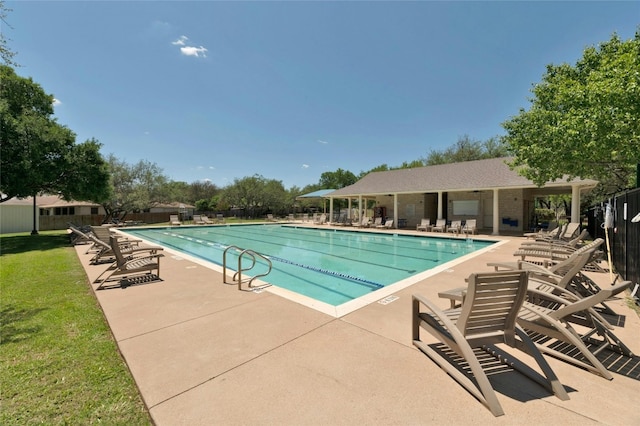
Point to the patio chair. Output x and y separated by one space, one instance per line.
320 220
376 222
550 317
565 274
440 225
365 222
424 225
78 234
388 224
101 237
487 317
552 227
130 268
174 220
575 242
553 252
205 220
220 218
571 265
455 227
197 220
469 227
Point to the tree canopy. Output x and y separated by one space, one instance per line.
38 155
255 195
134 187
467 149
584 120
338 179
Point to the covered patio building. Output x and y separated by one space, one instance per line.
499 198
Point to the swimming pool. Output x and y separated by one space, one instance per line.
328 265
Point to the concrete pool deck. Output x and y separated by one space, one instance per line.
203 352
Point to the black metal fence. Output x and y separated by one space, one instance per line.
625 237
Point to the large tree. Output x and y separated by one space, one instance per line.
584 120
255 195
338 179
38 155
134 187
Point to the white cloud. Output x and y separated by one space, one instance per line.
194 51
323 142
56 102
305 166
181 41
190 50
211 168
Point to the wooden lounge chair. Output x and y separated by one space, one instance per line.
575 242
487 317
79 234
206 221
551 316
565 274
440 225
131 268
469 227
455 227
174 220
552 252
552 229
424 225
101 248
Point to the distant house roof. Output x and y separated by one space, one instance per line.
47 201
492 173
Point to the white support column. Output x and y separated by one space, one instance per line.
440 205
395 211
496 213
349 208
575 204
330 219
361 213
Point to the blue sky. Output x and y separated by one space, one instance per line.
290 90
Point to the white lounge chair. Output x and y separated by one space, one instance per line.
455 227
440 225
424 225
174 220
469 227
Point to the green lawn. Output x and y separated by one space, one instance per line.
59 363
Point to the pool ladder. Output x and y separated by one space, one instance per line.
238 275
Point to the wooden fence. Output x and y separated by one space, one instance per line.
62 221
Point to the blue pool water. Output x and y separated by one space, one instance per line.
328 265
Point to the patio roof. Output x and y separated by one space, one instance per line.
493 173
321 193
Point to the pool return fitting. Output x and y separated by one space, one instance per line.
238 274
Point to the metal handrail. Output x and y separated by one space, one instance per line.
237 276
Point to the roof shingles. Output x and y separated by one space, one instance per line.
493 173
